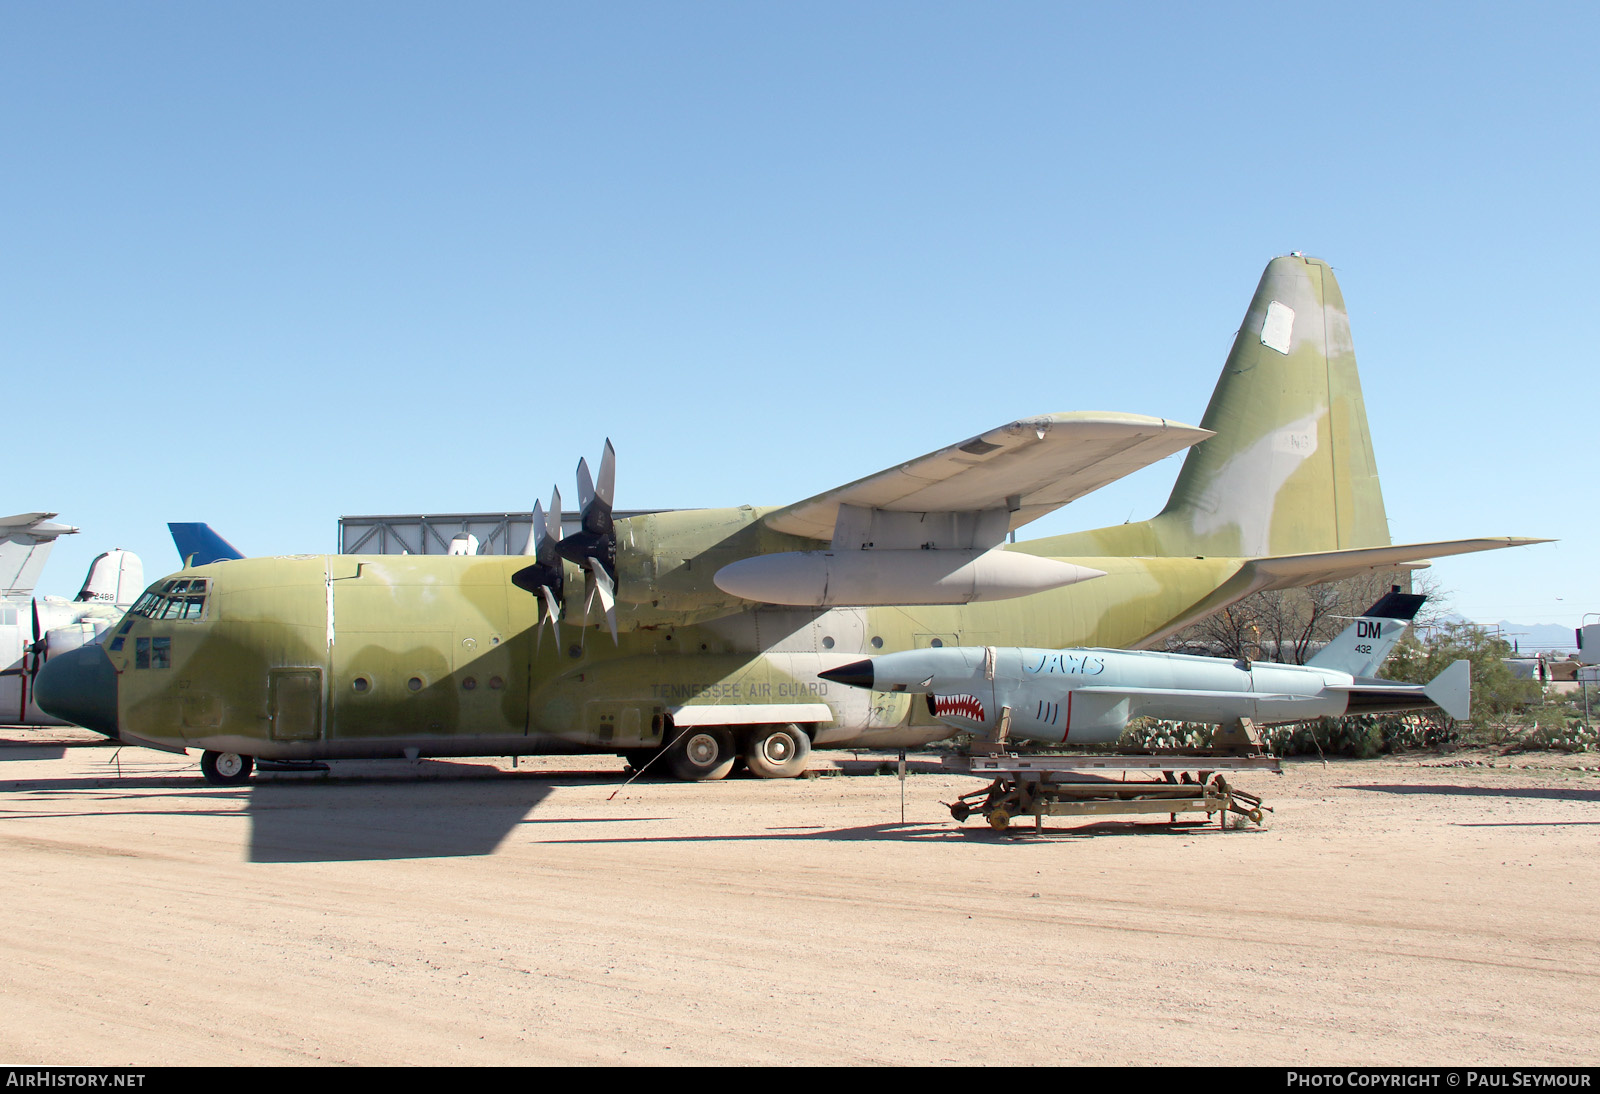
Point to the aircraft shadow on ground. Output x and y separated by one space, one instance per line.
1546 793
442 815
10 751
938 832
175 783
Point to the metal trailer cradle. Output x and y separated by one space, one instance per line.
1040 786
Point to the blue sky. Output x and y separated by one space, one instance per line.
266 265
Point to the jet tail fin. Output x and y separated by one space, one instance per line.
198 545
1452 690
1362 646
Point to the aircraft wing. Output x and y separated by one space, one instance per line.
1290 571
1030 467
25 543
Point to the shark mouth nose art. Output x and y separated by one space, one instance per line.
959 706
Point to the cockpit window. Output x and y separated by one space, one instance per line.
152 653
184 598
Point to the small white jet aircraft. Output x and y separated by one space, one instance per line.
34 629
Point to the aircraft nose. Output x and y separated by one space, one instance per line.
856 673
80 687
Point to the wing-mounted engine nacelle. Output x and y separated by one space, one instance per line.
73 636
826 579
888 557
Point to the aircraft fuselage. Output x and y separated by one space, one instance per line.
323 656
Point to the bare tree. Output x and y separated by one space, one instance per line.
1289 625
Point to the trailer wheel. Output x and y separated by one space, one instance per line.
1000 820
226 768
701 754
778 751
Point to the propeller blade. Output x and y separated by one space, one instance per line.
597 538
536 532
545 578
593 548
585 484
602 586
39 649
605 491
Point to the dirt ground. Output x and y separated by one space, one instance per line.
1418 910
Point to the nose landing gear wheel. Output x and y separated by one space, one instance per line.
226 768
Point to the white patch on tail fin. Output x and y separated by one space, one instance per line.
1243 490
1277 329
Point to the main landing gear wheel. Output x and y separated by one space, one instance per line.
638 757
226 768
701 754
778 752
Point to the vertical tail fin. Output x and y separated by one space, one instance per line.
198 545
1291 468
1362 646
115 577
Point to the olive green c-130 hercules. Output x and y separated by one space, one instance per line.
723 618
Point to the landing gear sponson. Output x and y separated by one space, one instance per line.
697 754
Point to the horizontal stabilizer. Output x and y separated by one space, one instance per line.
1291 571
1028 468
25 543
1450 691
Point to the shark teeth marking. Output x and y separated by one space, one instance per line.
959 706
